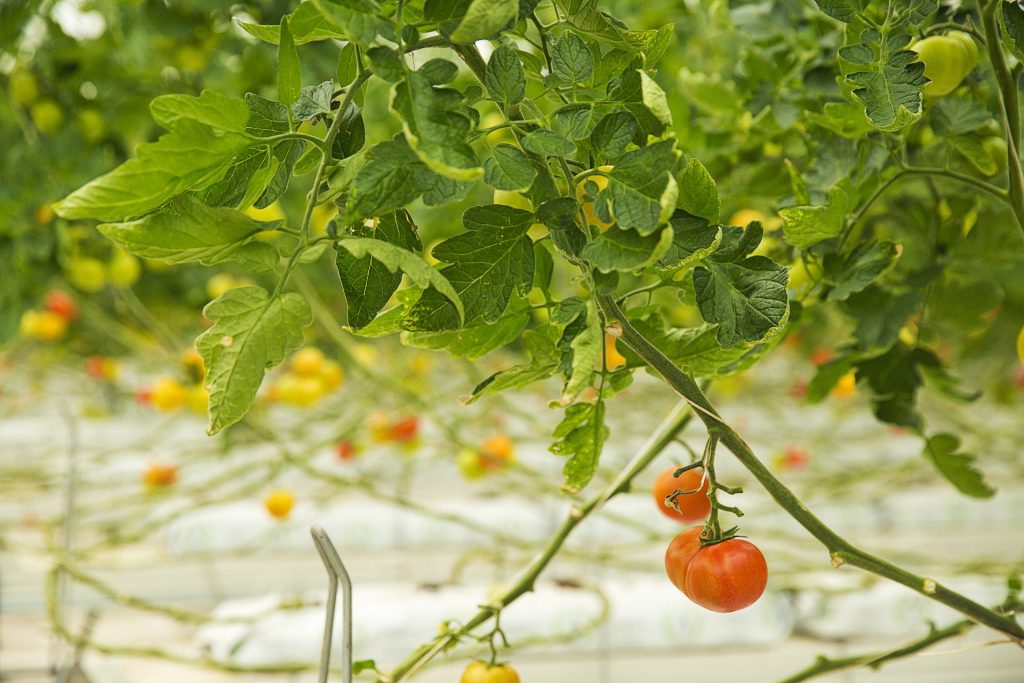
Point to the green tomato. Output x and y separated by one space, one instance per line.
123 269
947 61
47 116
23 88
91 124
470 464
88 274
996 148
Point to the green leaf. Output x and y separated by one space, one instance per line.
613 134
289 77
211 108
852 272
747 298
186 230
543 362
654 98
351 134
313 101
190 157
386 63
436 127
475 341
487 263
357 20
439 71
396 259
251 333
571 59
585 350
580 435
307 25
693 239
485 18
843 10
641 190
828 375
891 80
698 194
509 169
367 282
894 378
805 226
559 215
504 78
1013 27
696 349
959 468
547 142
266 117
388 180
618 249
879 315
245 180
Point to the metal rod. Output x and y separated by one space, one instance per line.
336 573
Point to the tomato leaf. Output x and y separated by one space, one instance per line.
942 450
580 435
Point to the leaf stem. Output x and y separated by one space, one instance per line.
840 550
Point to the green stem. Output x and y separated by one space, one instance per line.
824 665
840 550
1009 98
527 577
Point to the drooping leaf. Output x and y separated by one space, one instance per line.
641 189
252 332
890 78
850 273
618 249
805 226
580 435
289 78
693 239
313 101
475 341
612 135
509 169
942 450
698 194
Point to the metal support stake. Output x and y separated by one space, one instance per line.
336 573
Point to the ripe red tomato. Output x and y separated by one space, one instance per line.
406 429
726 576
346 450
62 304
679 554
693 507
821 355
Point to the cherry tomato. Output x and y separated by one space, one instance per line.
160 476
101 368
679 554
62 304
693 507
821 355
496 451
406 429
167 394
346 450
279 503
727 576
478 672
307 361
45 326
612 358
846 386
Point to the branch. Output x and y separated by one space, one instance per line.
840 550
527 577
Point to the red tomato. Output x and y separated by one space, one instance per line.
62 304
693 507
795 457
727 576
679 554
405 430
820 356
346 450
143 397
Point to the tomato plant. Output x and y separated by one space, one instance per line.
597 197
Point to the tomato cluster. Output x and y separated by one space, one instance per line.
723 576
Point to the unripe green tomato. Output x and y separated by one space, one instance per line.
88 274
123 269
47 116
947 61
470 464
996 148
91 124
23 88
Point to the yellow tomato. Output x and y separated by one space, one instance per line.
846 386
44 214
168 394
273 212
307 361
364 353
612 358
219 284
279 503
88 274
322 215
513 199
90 123
45 326
478 672
1020 345
302 391
470 464
744 216
331 375
600 182
160 476
198 399
123 269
